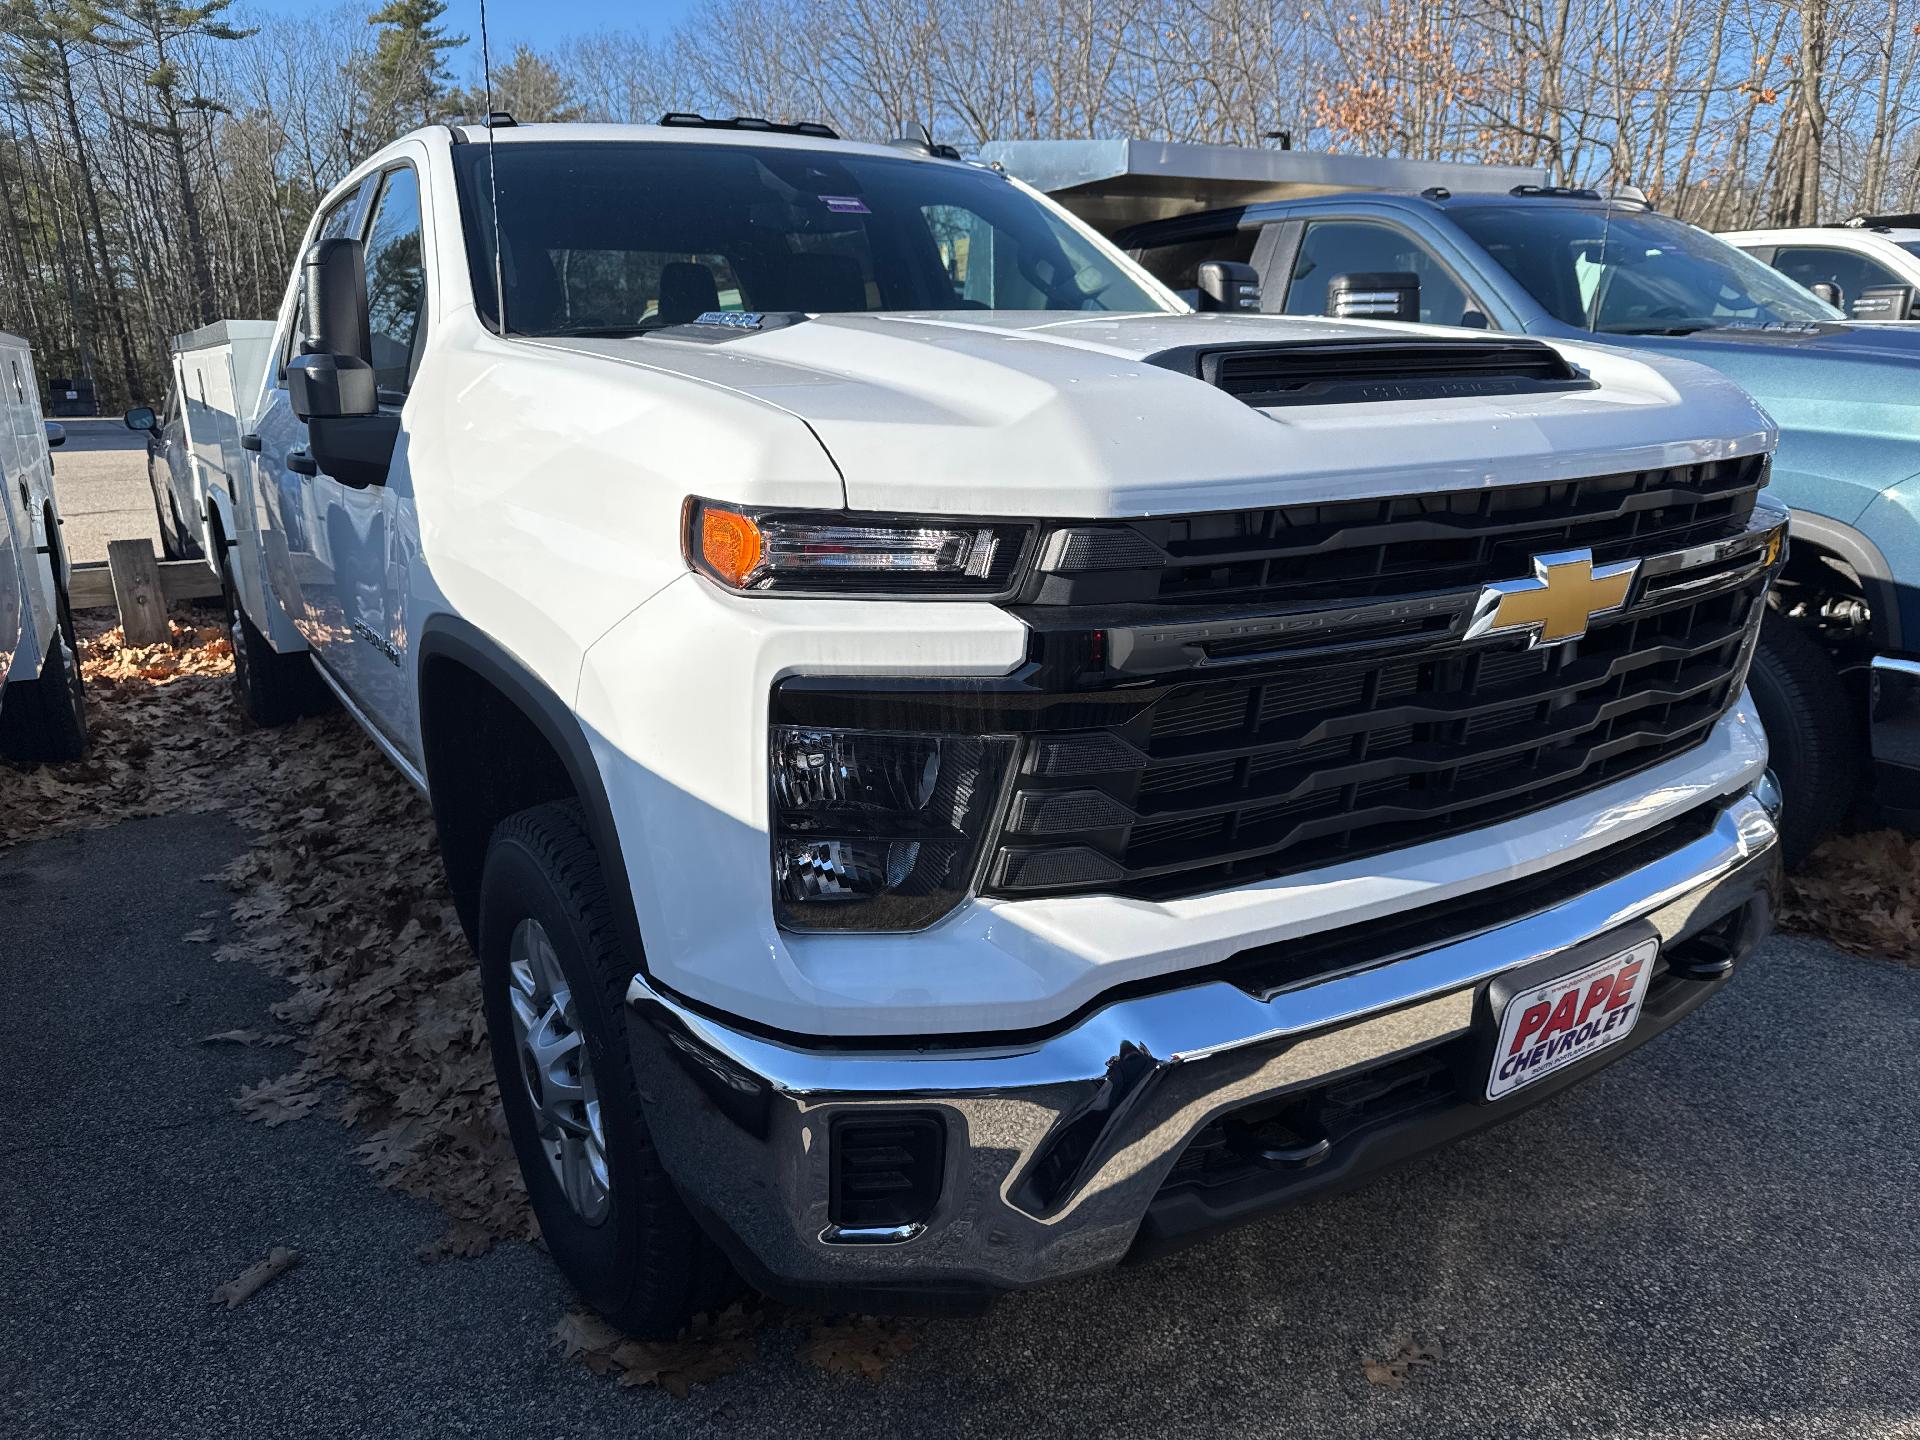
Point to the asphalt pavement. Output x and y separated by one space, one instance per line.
1715 1237
100 484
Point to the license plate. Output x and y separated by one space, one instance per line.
1570 1018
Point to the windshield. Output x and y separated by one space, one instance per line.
1636 273
627 236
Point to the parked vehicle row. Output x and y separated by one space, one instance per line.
958 770
43 710
1837 677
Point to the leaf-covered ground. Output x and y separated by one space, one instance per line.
342 896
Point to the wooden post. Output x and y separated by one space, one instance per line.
136 590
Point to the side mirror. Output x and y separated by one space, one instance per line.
1826 290
56 434
1227 285
1884 302
1375 295
141 417
333 377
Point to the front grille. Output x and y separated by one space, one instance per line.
1363 549
1229 781
1325 704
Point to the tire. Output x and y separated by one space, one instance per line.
626 1242
273 689
169 542
46 718
1813 732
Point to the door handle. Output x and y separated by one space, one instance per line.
250 441
301 463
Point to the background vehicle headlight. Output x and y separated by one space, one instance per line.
879 829
825 552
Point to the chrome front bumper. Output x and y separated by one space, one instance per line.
1105 1108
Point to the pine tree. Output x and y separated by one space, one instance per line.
409 79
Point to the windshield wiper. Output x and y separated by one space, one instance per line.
1690 328
595 332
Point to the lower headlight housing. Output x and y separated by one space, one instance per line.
879 829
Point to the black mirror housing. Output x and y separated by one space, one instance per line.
141 417
334 282
328 387
56 434
1884 302
1227 285
1375 295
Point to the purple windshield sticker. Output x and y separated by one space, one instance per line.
845 205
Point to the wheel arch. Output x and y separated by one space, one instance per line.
1815 537
472 691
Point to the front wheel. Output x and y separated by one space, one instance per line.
1813 732
554 978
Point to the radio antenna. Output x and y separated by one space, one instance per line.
1600 288
493 183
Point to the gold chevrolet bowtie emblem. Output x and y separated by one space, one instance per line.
1566 591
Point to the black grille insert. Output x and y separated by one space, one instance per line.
1223 782
1395 546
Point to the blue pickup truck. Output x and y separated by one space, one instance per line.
1837 672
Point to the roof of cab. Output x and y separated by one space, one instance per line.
518 134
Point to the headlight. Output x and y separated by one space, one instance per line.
832 553
879 829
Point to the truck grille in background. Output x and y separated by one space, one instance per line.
1382 727
1360 549
1351 371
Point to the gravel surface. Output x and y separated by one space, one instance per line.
100 483
1712 1238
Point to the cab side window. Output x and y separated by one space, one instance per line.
1332 248
396 282
1811 265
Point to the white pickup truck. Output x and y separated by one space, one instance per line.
43 701
959 770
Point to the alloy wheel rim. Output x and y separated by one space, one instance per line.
557 1073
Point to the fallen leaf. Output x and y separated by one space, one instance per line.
255 1278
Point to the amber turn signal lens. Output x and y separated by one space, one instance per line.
730 545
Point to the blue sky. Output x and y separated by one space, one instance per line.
534 22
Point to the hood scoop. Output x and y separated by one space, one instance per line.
1370 371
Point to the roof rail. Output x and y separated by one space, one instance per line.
1436 192
1557 192
1882 222
696 120
501 120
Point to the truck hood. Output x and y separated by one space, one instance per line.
1787 362
1038 414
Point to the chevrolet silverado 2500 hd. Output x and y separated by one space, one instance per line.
957 769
